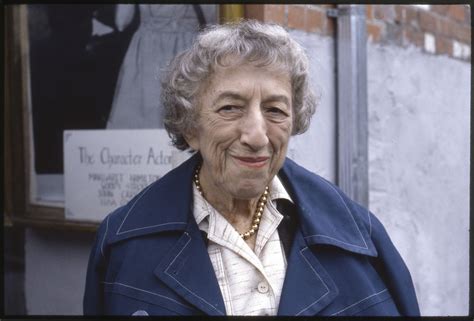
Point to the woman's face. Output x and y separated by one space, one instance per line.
244 125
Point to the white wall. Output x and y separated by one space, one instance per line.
316 149
419 129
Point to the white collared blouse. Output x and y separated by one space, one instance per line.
250 281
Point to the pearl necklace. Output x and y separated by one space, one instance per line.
258 213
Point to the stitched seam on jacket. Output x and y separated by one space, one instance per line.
146 291
105 235
141 228
345 205
354 304
166 271
131 208
332 238
327 288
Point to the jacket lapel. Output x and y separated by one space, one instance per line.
325 218
308 288
188 270
325 214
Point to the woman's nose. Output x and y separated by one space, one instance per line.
254 130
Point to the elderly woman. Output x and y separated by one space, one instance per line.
239 229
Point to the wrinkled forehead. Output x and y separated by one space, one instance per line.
266 62
232 62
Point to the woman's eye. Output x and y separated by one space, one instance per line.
228 108
276 111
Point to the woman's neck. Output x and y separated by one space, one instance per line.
238 212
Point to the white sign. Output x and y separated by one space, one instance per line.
104 169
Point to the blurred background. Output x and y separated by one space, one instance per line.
394 88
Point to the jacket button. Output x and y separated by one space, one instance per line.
262 287
140 312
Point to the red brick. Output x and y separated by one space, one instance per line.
374 32
315 21
384 12
327 6
427 21
455 30
414 37
330 27
296 17
411 16
369 12
274 13
444 27
400 14
441 9
444 46
378 12
463 33
254 11
457 12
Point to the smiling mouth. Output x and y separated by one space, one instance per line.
254 162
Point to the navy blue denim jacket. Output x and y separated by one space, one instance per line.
150 258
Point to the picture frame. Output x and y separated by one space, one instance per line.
17 140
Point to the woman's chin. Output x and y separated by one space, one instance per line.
249 192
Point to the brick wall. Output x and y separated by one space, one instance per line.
435 29
310 18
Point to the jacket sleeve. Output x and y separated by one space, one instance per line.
393 270
93 303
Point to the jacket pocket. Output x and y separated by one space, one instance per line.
125 299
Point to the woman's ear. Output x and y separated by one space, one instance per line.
192 141
191 132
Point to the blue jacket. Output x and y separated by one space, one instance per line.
150 256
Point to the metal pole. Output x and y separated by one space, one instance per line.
352 127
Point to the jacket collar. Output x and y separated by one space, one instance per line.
326 215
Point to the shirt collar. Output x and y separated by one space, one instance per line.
201 209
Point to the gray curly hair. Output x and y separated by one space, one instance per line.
254 42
